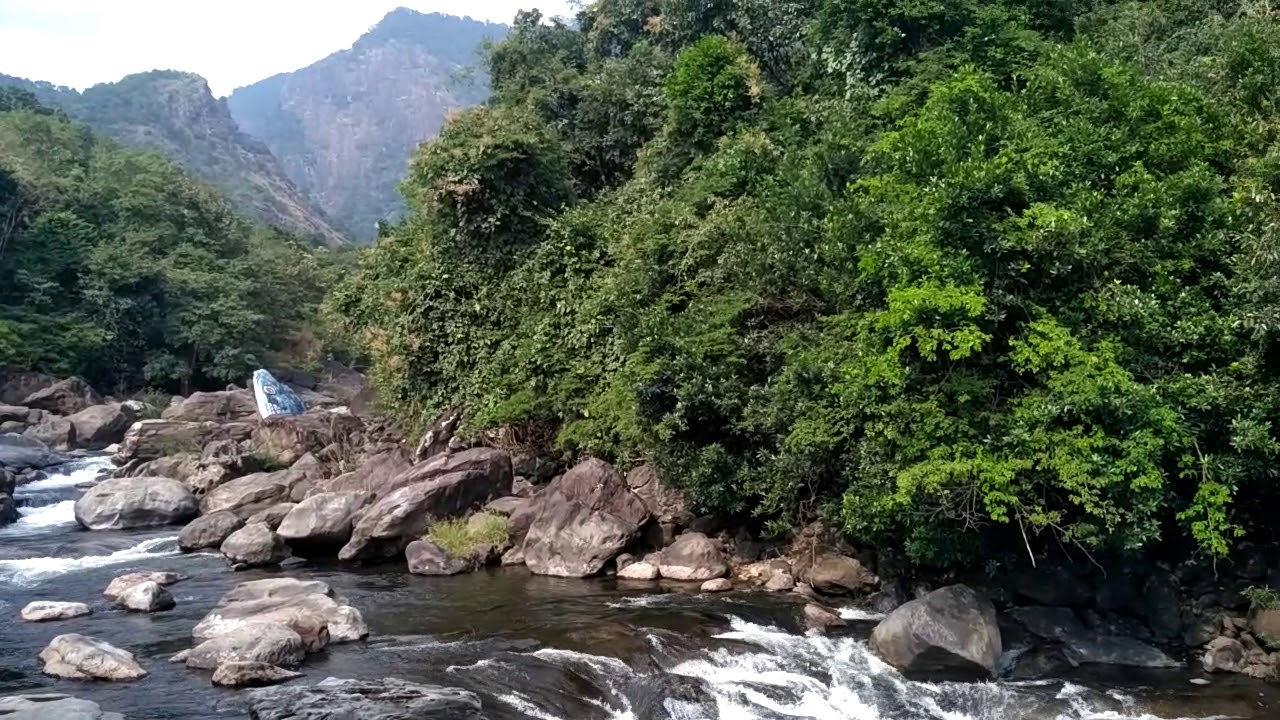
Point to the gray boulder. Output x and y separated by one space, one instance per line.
251 674
215 407
272 516
100 426
122 584
209 531
297 604
267 642
1094 649
149 596
376 478
694 557
151 439
949 633
1224 654
376 470
249 494
665 503
125 503
79 657
55 431
321 520
46 610
386 699
833 574
254 545
583 519
427 558
67 397
818 617
18 453
16 386
52 706
643 570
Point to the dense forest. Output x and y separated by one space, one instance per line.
967 277
117 266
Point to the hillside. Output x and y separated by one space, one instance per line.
345 127
176 115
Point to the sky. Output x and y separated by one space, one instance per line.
232 43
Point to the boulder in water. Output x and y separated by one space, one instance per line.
1224 654
46 610
949 633
718 585
1094 649
19 453
427 558
120 585
386 699
125 503
248 495
79 657
55 431
325 519
254 545
300 605
833 574
818 617
67 397
694 557
251 674
271 643
52 706
582 520
102 425
149 596
642 570
209 531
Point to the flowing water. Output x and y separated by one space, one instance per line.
531 647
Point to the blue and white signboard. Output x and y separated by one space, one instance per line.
274 397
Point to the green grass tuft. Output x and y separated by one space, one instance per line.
467 538
1263 598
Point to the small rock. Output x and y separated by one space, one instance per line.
209 531
254 545
79 657
780 582
251 674
427 558
268 643
643 570
1198 681
44 611
718 585
147 596
817 617
118 586
693 556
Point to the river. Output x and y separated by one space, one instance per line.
531 647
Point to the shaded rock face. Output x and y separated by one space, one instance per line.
491 463
693 556
286 438
322 520
249 494
583 519
125 503
45 610
1093 649
120 585
151 439
387 699
949 633
833 574
251 674
299 605
254 545
271 643
55 431
79 657
100 426
52 706
18 386
216 407
386 527
376 470
272 516
18 453
427 558
666 504
209 531
149 596
67 397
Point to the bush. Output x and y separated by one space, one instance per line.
471 537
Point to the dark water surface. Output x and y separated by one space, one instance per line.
531 647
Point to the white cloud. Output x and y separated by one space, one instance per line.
231 42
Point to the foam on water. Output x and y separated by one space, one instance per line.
63 513
859 614
72 474
32 571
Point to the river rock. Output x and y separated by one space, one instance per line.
491 464
1265 626
376 470
8 510
55 431
251 674
209 531
125 503
297 604
249 494
642 570
265 642
46 610
666 504
18 453
1049 623
147 596
64 398
254 545
780 582
79 657
272 516
1095 649
693 556
583 519
120 585
951 632
717 585
18 385
214 407
833 574
427 558
386 699
283 439
818 617
387 526
151 439
325 519
52 706
102 425
1224 654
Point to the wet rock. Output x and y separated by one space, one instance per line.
514 556
951 632
832 574
780 582
266 642
18 453
297 604
120 585
1053 586
427 558
583 519
151 439
147 596
46 610
67 397
272 516
1265 626
1090 648
215 407
254 545
79 657
52 706
126 503
387 526
102 425
251 674
1037 663
325 519
209 531
247 495
387 699
1224 654
717 585
1049 623
693 556
8 510
642 570
818 617
1162 602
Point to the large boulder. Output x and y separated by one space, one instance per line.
100 426
427 558
209 531
46 610
151 439
52 706
251 674
1224 654
18 453
300 605
272 516
322 520
78 657
67 397
254 545
283 439
583 519
665 503
55 431
833 574
949 633
374 472
267 642
147 597
376 479
125 503
215 407
693 556
386 699
247 495
124 583
386 527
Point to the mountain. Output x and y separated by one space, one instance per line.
345 127
176 115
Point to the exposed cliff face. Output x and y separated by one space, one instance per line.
345 127
176 115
